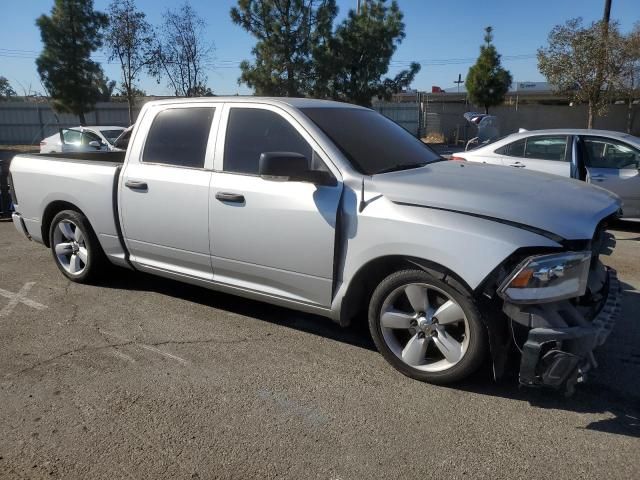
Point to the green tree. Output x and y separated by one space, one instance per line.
487 82
70 35
350 62
129 40
580 63
6 90
399 83
105 87
121 96
286 32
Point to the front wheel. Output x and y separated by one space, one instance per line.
426 328
75 247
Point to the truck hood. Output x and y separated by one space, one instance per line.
538 201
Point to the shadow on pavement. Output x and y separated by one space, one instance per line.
599 395
612 389
627 226
357 335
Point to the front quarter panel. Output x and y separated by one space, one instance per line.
468 246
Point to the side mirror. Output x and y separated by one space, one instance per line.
292 167
95 144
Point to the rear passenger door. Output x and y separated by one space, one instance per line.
615 165
511 154
164 190
548 153
272 237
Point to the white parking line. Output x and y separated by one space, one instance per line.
20 297
122 355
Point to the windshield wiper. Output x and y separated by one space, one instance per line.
401 166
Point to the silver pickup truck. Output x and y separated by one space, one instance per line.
332 209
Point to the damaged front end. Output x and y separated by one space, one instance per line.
566 304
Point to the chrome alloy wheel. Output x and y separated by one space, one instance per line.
424 327
70 247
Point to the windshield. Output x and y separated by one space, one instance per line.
371 142
111 135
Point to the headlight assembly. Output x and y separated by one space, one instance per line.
548 278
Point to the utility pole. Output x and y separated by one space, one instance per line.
358 7
459 81
605 17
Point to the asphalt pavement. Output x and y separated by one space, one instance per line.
142 377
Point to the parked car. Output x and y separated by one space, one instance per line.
604 158
81 139
122 142
333 209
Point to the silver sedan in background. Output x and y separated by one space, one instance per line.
604 158
81 139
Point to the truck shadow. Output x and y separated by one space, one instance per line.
601 395
627 226
356 335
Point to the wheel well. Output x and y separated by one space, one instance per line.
51 211
356 302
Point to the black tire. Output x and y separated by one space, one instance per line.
475 353
96 259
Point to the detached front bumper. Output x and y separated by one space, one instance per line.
558 351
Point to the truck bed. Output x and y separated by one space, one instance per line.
87 181
102 157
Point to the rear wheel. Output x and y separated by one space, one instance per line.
75 247
427 328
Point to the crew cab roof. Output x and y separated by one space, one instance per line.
290 101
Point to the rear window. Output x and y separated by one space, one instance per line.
179 136
111 135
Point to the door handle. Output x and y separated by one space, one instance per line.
517 165
136 185
230 197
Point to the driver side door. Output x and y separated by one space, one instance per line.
272 237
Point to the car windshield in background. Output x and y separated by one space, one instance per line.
111 135
371 142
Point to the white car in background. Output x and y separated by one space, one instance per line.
604 158
81 139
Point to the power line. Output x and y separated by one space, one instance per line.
31 54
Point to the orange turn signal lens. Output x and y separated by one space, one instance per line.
522 279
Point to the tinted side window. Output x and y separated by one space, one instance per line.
88 137
547 148
178 136
513 149
253 131
71 137
605 153
123 140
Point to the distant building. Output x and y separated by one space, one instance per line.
530 87
527 92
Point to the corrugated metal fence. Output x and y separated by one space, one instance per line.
405 114
28 123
